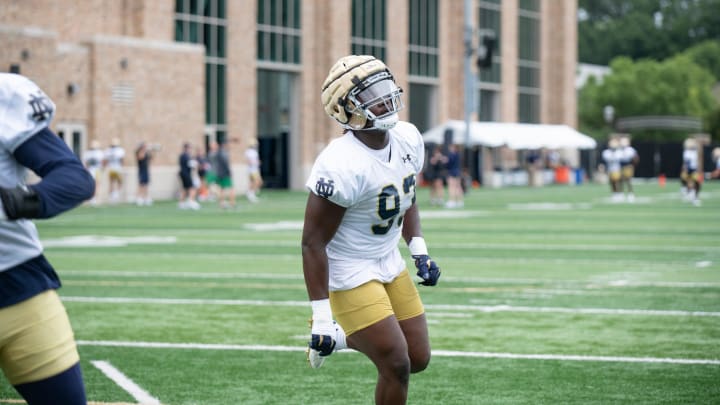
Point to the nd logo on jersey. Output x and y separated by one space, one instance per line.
41 107
324 188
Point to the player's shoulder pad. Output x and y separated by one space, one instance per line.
24 110
408 132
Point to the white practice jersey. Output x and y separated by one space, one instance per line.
253 160
612 159
376 188
24 111
93 159
690 159
114 156
627 155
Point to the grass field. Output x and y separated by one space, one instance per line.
549 295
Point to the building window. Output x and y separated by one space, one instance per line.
423 34
529 61
489 13
489 21
204 22
369 33
279 31
489 105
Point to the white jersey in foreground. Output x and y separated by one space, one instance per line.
24 111
376 187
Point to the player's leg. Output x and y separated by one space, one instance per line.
410 313
39 356
66 388
366 314
384 343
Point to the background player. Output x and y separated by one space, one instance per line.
628 160
689 173
114 157
94 158
611 156
37 348
362 199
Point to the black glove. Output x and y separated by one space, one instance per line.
428 270
19 202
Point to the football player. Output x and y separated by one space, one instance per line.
114 157
628 160
361 201
611 156
716 158
94 158
37 348
689 172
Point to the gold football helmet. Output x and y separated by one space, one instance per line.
358 89
690 143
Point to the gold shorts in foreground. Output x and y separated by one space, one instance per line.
36 340
362 306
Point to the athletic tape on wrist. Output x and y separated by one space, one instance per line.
417 246
321 309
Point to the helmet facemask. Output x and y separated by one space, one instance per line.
377 98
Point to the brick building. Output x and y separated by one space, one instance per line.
170 71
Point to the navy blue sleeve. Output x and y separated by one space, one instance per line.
65 181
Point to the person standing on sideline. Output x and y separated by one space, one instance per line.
114 161
689 172
223 173
252 159
455 191
628 160
361 201
38 354
144 156
187 165
94 158
437 170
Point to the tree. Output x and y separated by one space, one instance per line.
676 86
707 55
655 29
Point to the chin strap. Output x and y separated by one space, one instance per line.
386 123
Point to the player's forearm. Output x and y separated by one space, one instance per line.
411 224
315 270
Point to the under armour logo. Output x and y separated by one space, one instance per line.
324 188
407 158
41 107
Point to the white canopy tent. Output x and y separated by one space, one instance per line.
512 135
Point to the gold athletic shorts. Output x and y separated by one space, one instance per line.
615 176
36 340
362 306
115 175
628 172
689 176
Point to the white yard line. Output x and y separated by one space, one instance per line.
439 307
439 353
125 383
480 280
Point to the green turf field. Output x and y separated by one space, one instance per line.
549 295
